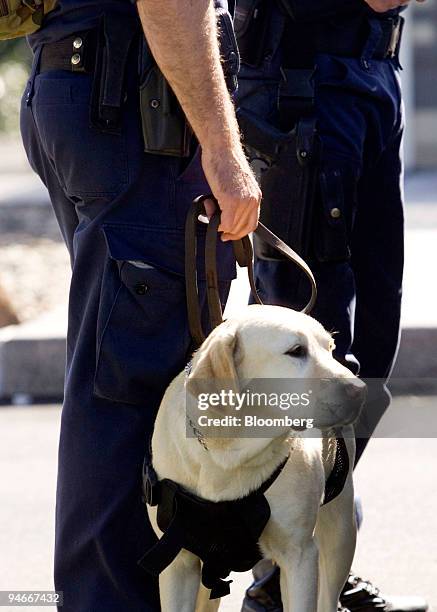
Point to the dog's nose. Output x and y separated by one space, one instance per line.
356 389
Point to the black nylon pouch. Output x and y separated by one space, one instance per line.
288 188
284 147
165 128
115 40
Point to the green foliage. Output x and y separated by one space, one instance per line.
15 59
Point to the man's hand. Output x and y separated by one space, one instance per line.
182 35
235 187
382 6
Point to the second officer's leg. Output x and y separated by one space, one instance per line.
377 259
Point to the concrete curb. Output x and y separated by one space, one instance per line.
32 370
32 358
22 189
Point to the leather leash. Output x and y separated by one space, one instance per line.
243 254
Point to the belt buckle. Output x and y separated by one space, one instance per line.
395 39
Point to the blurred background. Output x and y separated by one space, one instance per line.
398 541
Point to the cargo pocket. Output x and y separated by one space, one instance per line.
142 336
336 210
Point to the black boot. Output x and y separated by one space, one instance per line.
357 596
361 595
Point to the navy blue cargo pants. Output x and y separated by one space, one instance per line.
121 213
358 252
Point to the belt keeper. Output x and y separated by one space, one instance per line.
113 47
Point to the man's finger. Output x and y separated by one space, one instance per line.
210 208
227 222
233 220
248 228
241 220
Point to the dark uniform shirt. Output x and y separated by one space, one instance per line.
71 16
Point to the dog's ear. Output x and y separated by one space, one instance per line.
214 363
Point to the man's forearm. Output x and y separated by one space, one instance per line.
182 35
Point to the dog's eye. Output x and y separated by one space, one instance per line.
298 351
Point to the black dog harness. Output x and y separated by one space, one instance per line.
224 535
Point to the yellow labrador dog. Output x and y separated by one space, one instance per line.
312 544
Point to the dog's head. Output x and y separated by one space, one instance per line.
267 343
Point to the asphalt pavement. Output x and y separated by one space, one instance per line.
397 545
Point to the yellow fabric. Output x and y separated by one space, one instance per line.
20 18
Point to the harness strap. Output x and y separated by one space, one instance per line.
165 494
268 483
166 549
244 256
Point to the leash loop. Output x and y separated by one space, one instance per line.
243 254
192 292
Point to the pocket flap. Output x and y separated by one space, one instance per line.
164 249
